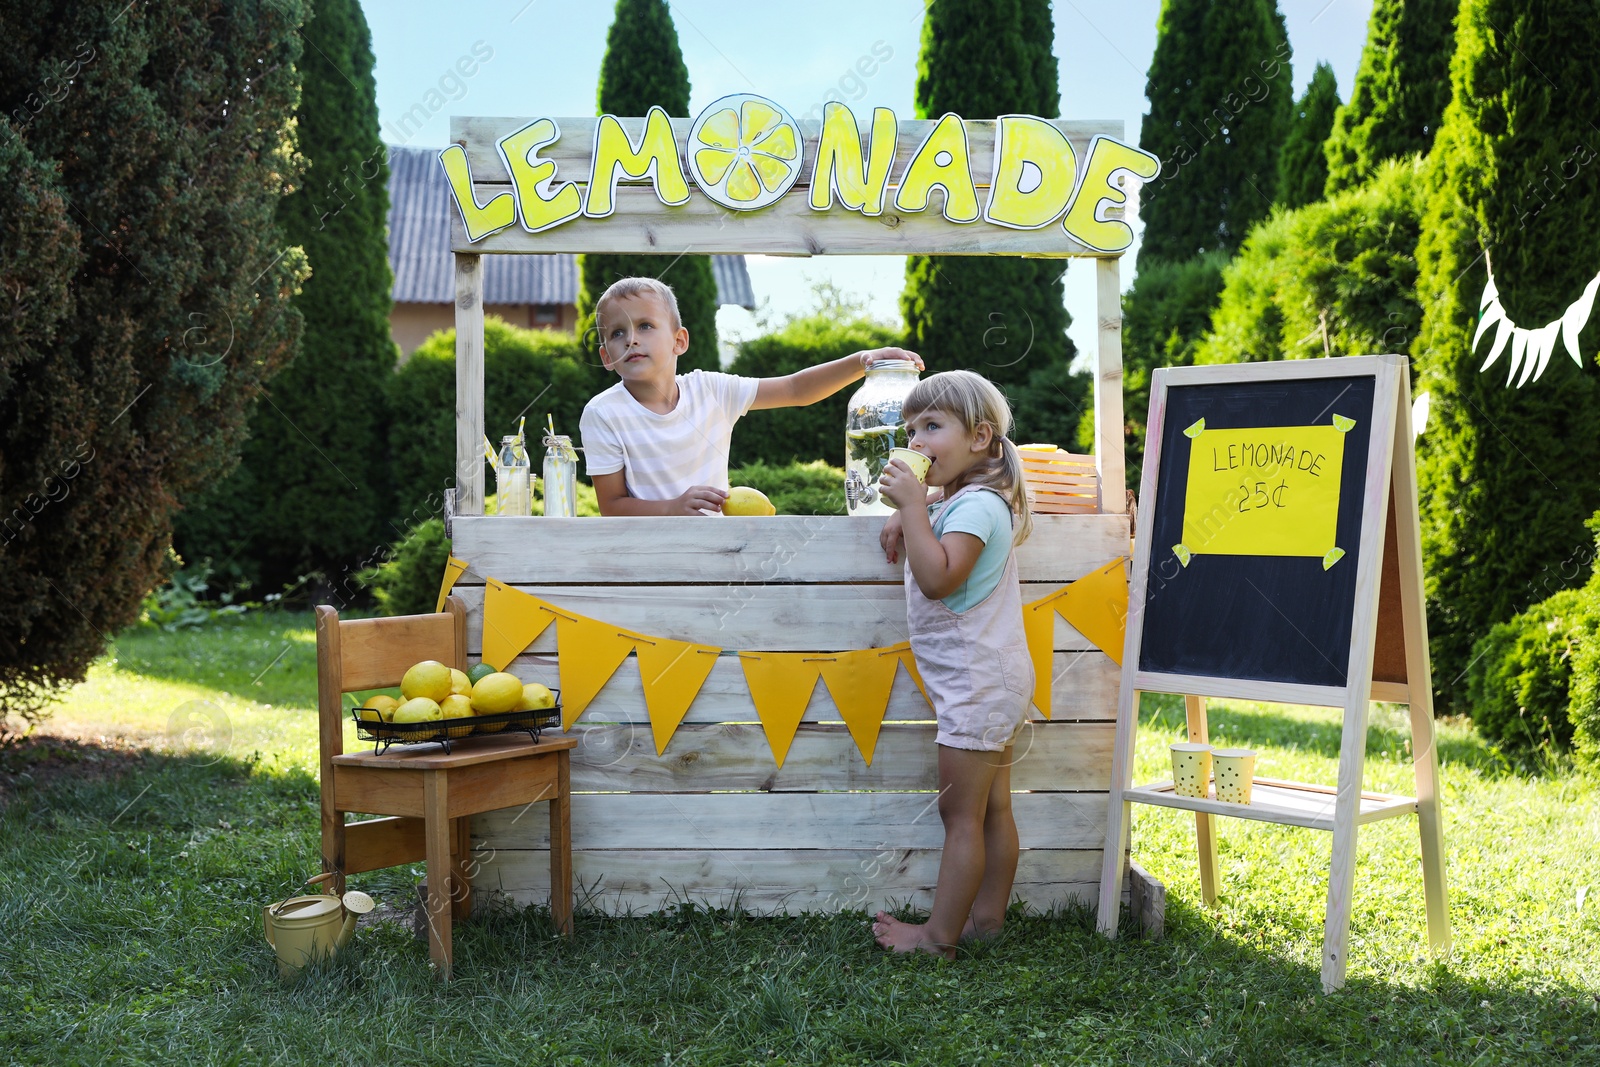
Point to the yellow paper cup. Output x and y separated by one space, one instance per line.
1236 773
1191 769
915 460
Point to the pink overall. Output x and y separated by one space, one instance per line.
975 663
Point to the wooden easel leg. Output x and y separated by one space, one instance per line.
1346 823
1113 864
436 838
1419 676
561 847
460 860
1205 825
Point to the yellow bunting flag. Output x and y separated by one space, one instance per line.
859 683
780 685
909 660
512 620
1097 607
453 569
588 653
672 673
1039 624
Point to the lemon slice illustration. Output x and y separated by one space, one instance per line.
744 151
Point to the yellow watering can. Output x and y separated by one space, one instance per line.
306 928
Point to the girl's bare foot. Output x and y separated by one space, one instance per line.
897 936
970 932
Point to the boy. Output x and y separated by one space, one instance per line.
656 443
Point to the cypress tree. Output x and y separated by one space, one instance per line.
312 491
1302 166
144 296
1508 475
1221 95
1400 92
643 67
1003 317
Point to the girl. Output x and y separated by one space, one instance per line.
964 607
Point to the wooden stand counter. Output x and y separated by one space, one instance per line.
714 819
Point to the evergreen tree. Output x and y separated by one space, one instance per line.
144 296
1221 96
1302 166
642 68
1401 89
1003 317
312 492
1508 475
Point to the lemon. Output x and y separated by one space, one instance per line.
455 706
418 709
497 693
368 715
383 705
744 151
460 684
480 672
743 500
430 679
536 697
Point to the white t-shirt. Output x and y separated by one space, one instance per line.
663 456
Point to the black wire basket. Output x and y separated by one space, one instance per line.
443 731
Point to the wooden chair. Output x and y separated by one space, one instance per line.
429 794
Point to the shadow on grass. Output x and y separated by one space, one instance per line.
1319 732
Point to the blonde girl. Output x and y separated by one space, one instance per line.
964 607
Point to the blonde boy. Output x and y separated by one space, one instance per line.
656 443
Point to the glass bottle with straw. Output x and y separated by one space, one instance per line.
560 473
512 475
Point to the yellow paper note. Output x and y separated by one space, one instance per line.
1097 607
512 620
859 683
780 685
589 653
1267 491
672 673
453 569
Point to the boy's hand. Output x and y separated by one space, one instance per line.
699 497
889 537
880 355
902 487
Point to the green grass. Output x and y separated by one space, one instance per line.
130 920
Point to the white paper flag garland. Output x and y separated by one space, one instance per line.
1531 348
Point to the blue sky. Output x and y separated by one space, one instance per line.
546 61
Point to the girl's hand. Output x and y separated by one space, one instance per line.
889 537
698 500
880 355
902 487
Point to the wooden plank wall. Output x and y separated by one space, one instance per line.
714 819
641 223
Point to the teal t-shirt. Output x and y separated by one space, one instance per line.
987 517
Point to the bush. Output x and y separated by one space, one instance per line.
812 488
785 435
1520 684
535 371
408 582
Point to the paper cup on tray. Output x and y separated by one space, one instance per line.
1191 769
1236 773
915 460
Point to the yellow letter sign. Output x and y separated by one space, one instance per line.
480 222
1034 171
839 166
1106 157
942 161
520 153
656 157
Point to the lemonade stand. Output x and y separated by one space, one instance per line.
710 764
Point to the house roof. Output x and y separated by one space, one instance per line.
419 249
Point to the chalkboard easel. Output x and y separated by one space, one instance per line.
1279 559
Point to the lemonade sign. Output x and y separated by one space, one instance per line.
746 152
1264 491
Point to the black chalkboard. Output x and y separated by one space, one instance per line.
1264 618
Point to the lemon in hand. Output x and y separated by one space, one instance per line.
743 500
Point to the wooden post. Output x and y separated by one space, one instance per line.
1419 675
1205 824
437 834
469 384
1108 430
330 742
